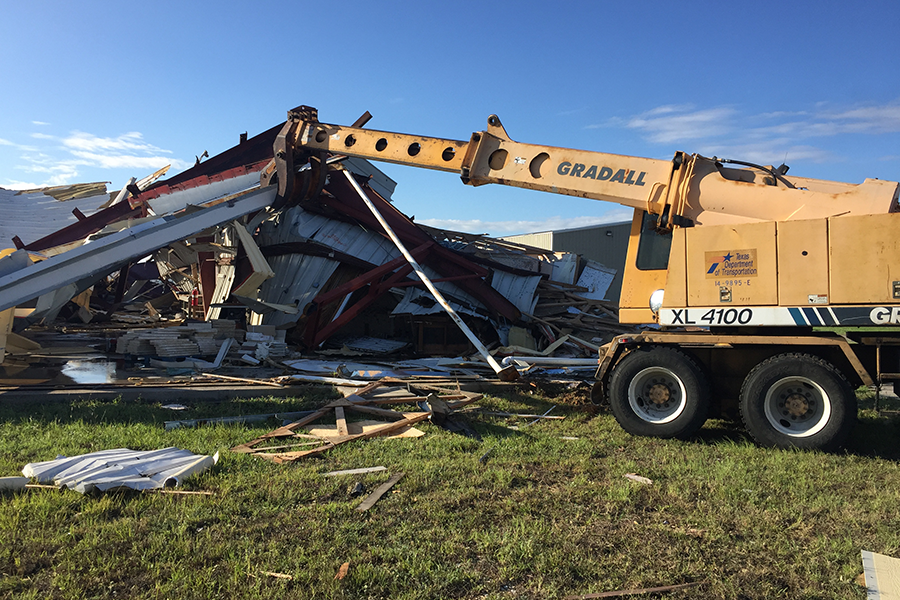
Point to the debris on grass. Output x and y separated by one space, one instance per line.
13 483
342 572
634 592
285 417
638 478
120 468
355 471
277 575
543 416
882 575
299 439
484 456
380 491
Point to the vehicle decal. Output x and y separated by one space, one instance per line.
773 316
626 176
732 263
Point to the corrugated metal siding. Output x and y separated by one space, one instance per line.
299 278
517 289
415 299
35 215
543 239
178 199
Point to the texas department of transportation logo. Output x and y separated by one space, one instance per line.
733 263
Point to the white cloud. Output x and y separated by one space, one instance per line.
871 119
21 185
72 158
669 124
121 161
501 228
764 138
132 141
668 109
39 123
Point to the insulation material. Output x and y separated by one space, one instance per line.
120 468
596 278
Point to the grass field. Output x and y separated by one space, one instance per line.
542 516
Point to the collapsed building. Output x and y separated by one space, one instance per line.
183 263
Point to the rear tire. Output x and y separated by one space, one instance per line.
798 401
659 392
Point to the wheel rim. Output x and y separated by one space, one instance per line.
797 407
657 395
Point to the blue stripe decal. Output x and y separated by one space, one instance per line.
825 315
797 316
811 316
853 315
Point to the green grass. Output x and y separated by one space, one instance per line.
540 517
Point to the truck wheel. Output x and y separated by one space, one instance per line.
659 392
798 400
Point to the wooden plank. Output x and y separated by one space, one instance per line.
520 415
341 421
243 380
411 419
355 471
287 430
381 412
380 491
882 576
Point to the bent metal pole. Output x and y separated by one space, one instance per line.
504 373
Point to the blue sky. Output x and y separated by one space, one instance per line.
103 91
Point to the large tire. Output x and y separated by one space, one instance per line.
798 401
659 392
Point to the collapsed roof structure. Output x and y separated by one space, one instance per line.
214 239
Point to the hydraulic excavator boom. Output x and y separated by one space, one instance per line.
685 191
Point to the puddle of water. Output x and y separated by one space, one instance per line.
90 371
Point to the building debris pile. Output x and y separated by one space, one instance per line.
172 269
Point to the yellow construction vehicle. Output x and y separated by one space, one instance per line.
774 293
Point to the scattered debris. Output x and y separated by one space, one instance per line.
296 440
882 575
342 571
516 415
13 483
654 590
243 380
638 478
277 575
484 456
120 468
380 491
539 417
285 417
355 471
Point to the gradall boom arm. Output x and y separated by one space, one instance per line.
688 190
